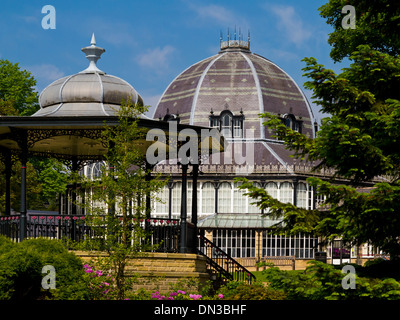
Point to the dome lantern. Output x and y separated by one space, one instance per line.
235 44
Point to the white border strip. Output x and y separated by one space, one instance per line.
259 93
196 94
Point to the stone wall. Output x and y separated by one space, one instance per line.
158 271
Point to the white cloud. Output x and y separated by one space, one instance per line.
215 13
291 24
219 15
157 59
46 72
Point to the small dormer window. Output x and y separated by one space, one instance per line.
229 125
171 117
291 122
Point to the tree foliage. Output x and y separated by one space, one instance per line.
116 201
17 90
321 281
377 24
45 177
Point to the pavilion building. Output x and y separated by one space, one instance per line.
229 91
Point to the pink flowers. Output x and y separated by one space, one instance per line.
181 295
100 284
178 295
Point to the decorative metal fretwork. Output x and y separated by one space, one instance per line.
35 135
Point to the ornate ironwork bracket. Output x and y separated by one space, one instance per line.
35 135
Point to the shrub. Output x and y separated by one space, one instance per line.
21 270
234 290
321 281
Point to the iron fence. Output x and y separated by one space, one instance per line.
163 234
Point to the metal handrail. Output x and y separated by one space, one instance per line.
222 262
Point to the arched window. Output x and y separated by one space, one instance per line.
301 195
176 198
226 125
96 170
162 201
230 126
224 198
291 122
239 199
208 198
89 171
286 192
252 207
272 189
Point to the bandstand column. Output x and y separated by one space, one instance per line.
73 198
183 246
148 195
74 186
23 209
195 174
8 168
170 187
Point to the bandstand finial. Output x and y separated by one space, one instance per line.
93 53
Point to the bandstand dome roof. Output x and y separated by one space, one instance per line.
90 92
245 84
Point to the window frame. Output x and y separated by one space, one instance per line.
234 128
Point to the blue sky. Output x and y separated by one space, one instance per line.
148 43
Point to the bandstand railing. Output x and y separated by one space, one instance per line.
163 233
164 236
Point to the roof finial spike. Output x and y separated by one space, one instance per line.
233 43
93 54
93 41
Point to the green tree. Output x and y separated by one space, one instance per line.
360 140
377 24
123 187
45 177
53 177
17 90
